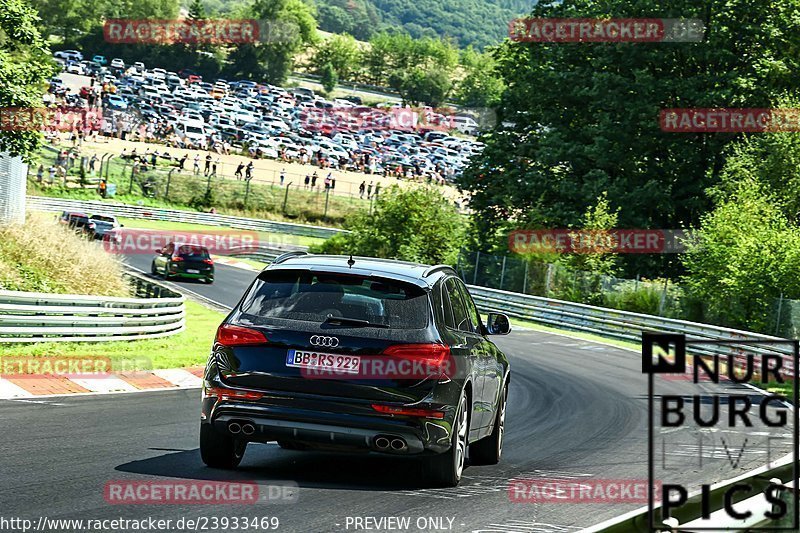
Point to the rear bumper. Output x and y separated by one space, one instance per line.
341 425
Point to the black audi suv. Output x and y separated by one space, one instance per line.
357 354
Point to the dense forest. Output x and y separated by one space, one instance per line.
468 22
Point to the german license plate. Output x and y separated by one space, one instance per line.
347 364
192 271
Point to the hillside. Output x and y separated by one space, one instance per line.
475 22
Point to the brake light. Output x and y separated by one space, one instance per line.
208 261
430 354
408 411
223 393
177 258
230 335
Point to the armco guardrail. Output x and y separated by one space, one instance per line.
625 325
40 317
41 203
266 254
689 516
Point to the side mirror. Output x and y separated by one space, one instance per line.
498 324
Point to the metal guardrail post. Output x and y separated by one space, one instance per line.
108 165
286 199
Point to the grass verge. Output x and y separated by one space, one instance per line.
265 237
43 256
188 348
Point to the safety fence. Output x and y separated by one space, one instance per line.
41 203
155 311
627 326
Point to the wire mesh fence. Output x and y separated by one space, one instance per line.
779 316
308 197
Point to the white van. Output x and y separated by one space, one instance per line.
466 125
192 132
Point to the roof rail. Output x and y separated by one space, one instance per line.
288 255
436 268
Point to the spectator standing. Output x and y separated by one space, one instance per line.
249 171
214 167
40 173
92 162
207 168
369 190
377 189
314 180
306 181
361 189
196 164
239 170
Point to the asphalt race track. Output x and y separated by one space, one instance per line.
576 409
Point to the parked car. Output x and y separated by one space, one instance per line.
184 261
74 67
304 360
68 55
117 63
100 60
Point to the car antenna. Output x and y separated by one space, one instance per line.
351 261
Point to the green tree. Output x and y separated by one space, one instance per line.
597 220
481 85
744 256
340 51
292 28
412 224
584 118
25 66
329 78
422 86
197 10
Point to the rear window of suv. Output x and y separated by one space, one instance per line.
314 296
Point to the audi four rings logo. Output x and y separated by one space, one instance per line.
319 340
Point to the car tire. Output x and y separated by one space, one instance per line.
445 469
218 450
153 269
488 450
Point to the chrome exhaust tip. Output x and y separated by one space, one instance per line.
235 428
398 445
382 443
248 429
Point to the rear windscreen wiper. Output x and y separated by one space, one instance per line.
352 322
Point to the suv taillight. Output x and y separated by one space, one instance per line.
230 335
432 355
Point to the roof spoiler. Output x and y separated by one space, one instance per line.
437 268
288 255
